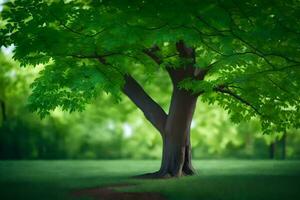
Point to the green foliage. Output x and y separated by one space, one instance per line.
99 130
71 87
251 49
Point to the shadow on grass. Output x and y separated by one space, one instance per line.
226 187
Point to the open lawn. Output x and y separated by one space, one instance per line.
216 179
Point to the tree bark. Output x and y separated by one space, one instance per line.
176 155
174 127
152 111
176 159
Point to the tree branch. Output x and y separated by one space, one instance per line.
75 31
224 90
151 52
230 31
148 28
152 110
190 70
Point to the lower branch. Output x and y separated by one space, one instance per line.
237 97
152 111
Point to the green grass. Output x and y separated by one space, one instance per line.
217 180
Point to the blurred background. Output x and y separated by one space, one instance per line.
110 130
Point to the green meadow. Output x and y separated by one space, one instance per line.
216 179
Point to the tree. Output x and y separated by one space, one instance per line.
243 56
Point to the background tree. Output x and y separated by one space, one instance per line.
243 56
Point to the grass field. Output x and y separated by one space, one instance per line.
216 180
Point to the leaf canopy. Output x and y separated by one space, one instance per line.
251 49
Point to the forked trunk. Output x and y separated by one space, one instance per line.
174 127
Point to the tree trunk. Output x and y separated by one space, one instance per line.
174 127
3 112
283 146
176 156
176 159
272 150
